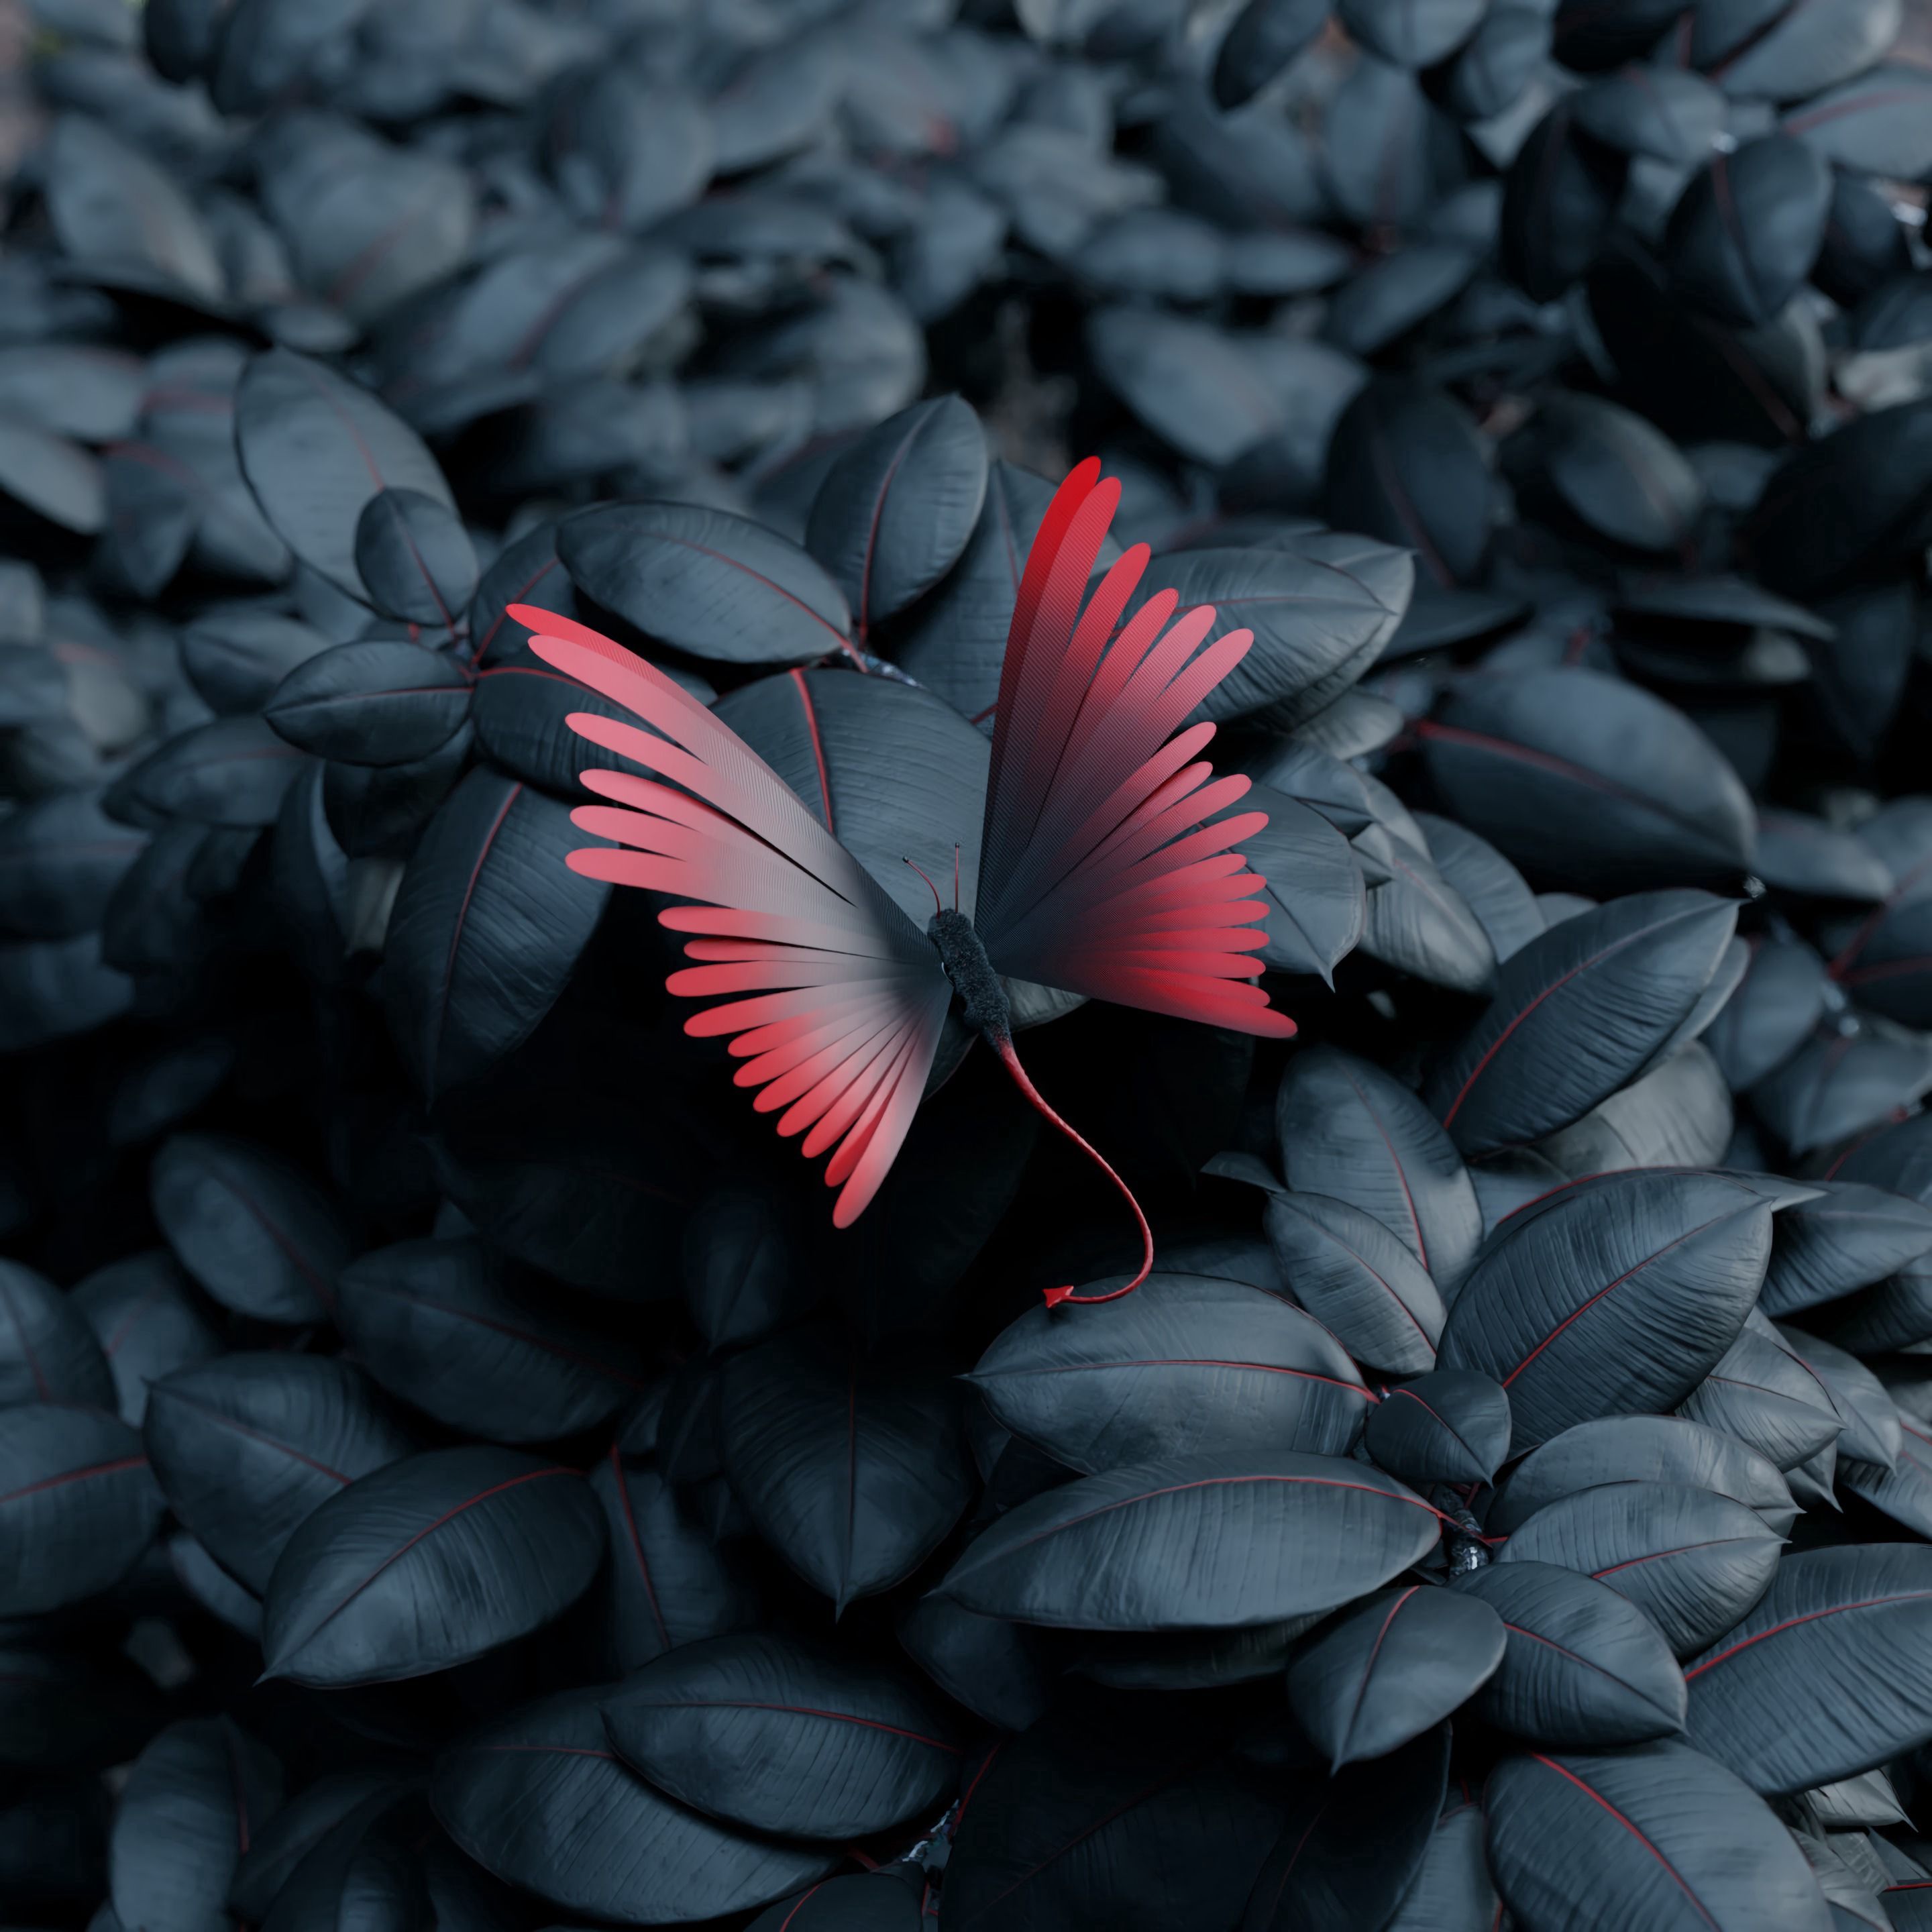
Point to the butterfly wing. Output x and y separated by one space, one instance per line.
832 998
1106 865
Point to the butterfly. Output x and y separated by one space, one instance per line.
1106 867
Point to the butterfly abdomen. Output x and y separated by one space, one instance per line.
984 998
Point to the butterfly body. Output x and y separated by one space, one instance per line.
962 956
1109 865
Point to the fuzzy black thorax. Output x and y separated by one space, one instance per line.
981 994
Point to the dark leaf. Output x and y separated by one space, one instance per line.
1088 1814
123 219
1615 472
1827 1677
715 585
52 989
890 771
853 1471
898 507
1351 1846
957 640
414 558
277 1847
1266 35
1661 113
1418 922
1542 764
1695 1560
630 153
1452 1427
246 1447
1768 1400
1777 1002
1782 53
1394 1664
77 389
489 1544
880 1901
1317 910
1185 1365
1411 36
1190 382
1678 1114
1389 154
1492 888
254 1230
773 1735
378 701
1453 1890
315 449
1743 239
234 772
1874 125
1871 1431
1271 1536
1800 854
540 1799
1317 621
1583 1665
1407 465
235 657
1559 199
1642 1449
994 1669
487 928
454 1333
1354 1277
1346 1128
47 1351
192 1803
1843 1082
665 1584
77 1506
367 1868
148 1322
1675 1840
1580 1012
1616 1298
1873 472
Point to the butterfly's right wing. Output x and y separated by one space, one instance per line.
834 999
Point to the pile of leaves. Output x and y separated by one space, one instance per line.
453 1476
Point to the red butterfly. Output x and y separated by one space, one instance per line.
1099 872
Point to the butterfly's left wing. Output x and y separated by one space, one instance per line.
844 997
1105 866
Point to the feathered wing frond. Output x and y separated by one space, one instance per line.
828 994
1106 865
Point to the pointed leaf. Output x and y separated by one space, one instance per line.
710 583
1185 1365
457 1336
1396 1663
1767 1399
1317 911
1348 1129
1695 1560
148 1322
489 1544
47 1351
1828 1677
898 506
77 1505
1452 1427
256 1232
774 1735
1854 1236
414 558
1642 1449
487 928
377 701
539 1798
853 1471
1583 1667
194 1800
1578 1013
1675 1840
246 1447
1270 1536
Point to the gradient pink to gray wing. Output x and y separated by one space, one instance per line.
1097 873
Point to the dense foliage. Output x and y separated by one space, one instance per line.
453 1476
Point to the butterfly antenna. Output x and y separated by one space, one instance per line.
955 876
1055 1296
937 905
